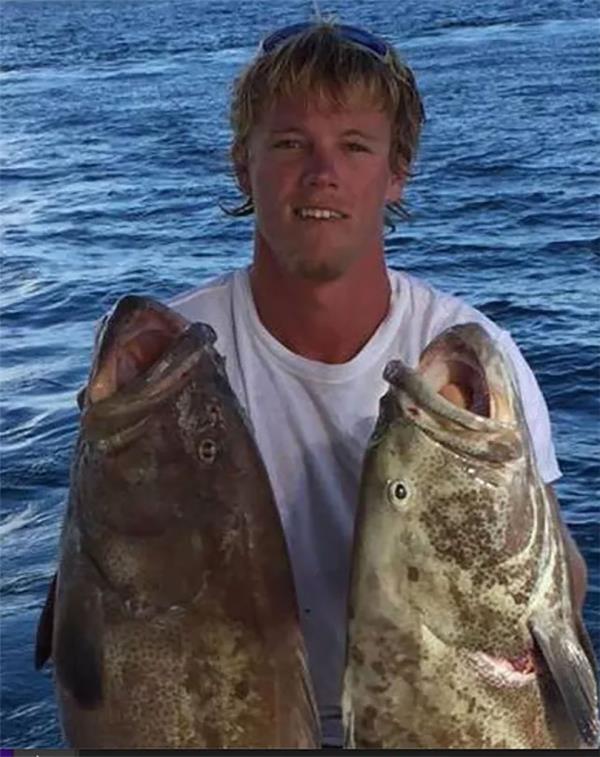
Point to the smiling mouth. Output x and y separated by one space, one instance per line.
319 214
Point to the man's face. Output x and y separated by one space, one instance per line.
320 178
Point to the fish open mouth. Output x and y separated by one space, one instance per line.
465 366
462 395
462 377
505 672
134 337
455 371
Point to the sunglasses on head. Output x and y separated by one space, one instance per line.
358 37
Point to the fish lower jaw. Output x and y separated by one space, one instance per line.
503 672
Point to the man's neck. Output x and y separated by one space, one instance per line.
325 321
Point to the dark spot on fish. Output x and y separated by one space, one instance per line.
413 573
519 527
476 737
357 655
367 743
481 626
465 535
242 690
207 451
368 716
378 667
520 598
307 610
212 736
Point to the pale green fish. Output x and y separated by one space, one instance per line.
172 621
462 627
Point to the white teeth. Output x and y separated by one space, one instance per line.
318 213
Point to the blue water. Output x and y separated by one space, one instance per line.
114 142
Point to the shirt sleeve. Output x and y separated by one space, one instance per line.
535 409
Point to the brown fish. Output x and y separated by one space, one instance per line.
172 621
463 631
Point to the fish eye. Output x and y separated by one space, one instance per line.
207 451
397 493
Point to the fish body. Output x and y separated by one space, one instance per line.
462 627
172 621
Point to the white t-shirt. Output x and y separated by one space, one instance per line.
312 421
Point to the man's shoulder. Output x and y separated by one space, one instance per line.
436 309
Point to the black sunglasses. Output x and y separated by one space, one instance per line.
359 37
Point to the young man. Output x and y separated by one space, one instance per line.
326 123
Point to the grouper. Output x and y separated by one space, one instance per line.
172 620
463 632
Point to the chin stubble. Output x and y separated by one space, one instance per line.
318 271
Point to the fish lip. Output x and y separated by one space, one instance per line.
470 437
467 354
124 311
469 357
132 317
126 405
409 382
498 672
162 379
490 427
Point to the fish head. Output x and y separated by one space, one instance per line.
154 414
163 459
450 486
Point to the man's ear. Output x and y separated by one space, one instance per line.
243 179
240 166
396 186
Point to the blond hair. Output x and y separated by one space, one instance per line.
320 63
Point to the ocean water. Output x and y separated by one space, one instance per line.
113 142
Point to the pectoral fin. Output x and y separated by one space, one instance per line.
43 640
72 624
78 648
572 674
81 396
586 644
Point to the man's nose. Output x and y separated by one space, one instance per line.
320 169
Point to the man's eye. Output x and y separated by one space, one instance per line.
356 147
287 144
